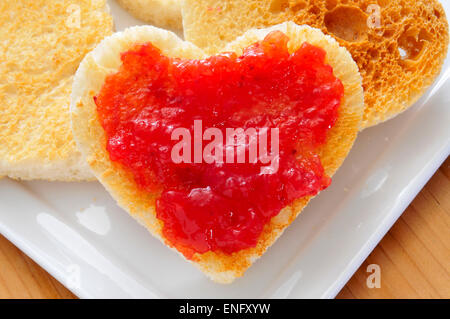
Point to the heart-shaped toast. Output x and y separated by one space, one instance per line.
142 87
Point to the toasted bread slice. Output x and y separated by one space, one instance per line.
399 46
161 13
43 42
90 136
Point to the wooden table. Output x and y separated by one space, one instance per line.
414 257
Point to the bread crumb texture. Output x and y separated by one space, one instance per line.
399 45
161 13
90 136
42 44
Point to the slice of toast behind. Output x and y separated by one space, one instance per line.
399 45
43 42
90 136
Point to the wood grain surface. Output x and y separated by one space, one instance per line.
414 257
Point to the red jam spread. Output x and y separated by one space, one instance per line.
221 206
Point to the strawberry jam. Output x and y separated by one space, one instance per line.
221 205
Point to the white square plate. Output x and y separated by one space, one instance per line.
79 235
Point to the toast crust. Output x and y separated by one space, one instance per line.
90 137
42 44
399 45
161 13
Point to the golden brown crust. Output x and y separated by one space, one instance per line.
398 60
42 44
91 139
161 13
